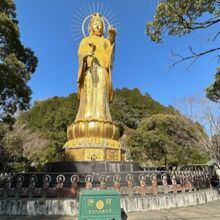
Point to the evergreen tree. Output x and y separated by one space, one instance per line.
167 139
17 64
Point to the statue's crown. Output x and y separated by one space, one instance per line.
97 16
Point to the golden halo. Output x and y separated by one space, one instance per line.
84 12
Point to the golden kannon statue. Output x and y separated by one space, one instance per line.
93 135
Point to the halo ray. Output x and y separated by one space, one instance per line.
75 25
76 32
93 6
101 8
76 19
86 10
77 35
90 9
83 13
109 13
76 39
98 6
112 17
106 9
79 15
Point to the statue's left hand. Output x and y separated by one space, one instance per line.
112 31
112 34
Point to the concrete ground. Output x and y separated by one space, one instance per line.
209 211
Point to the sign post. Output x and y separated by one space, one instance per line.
99 205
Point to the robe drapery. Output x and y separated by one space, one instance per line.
95 81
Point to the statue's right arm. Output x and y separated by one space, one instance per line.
81 61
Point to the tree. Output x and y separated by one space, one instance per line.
129 107
17 64
181 17
206 113
167 139
20 147
51 117
213 91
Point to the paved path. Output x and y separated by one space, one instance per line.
209 211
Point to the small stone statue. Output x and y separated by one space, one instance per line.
154 184
102 180
190 183
130 179
217 171
165 184
45 186
74 185
59 186
18 187
208 181
117 184
196 182
31 187
143 185
88 180
174 183
182 183
7 186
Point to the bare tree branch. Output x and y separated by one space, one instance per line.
205 112
215 37
193 56
207 23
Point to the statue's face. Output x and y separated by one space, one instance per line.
97 27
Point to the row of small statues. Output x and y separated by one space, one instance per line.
179 183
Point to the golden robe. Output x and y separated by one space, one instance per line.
95 81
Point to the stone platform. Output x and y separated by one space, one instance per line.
69 207
92 166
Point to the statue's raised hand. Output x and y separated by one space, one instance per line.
112 34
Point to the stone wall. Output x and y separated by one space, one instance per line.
128 204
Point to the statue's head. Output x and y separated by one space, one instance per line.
96 25
154 177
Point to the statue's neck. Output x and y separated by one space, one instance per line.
96 34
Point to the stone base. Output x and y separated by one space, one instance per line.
128 204
95 139
87 149
89 166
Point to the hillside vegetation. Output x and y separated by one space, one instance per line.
150 132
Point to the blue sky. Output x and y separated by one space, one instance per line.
45 26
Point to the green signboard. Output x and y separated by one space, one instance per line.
99 204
